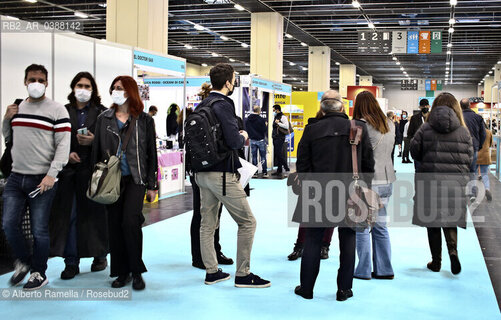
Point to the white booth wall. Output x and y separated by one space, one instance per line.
408 99
162 98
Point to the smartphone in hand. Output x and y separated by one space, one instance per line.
82 131
18 102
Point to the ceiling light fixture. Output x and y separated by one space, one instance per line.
398 63
304 68
232 60
198 27
292 63
493 68
371 25
454 2
239 7
452 21
355 3
247 65
214 54
31 1
187 46
490 72
304 44
394 58
80 14
204 64
449 45
102 5
447 63
224 38
451 30
402 69
337 63
245 45
449 52
288 36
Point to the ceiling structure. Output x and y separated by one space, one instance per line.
476 40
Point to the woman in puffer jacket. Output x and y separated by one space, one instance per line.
444 148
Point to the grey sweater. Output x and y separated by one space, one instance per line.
42 138
382 144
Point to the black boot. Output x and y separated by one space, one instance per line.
455 264
297 252
138 282
300 292
222 259
99 264
121 281
434 265
343 295
324 252
70 272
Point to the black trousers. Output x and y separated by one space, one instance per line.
196 254
393 154
125 218
310 262
278 144
407 147
435 241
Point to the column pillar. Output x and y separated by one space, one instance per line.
138 23
347 77
365 81
267 38
488 83
319 69
497 72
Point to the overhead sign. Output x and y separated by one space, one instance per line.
399 42
271 85
439 85
175 82
409 84
427 85
413 42
433 85
156 63
421 84
436 42
424 41
374 42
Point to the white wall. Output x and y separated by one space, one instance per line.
408 99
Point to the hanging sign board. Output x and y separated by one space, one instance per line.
421 84
433 85
363 42
175 82
399 42
439 85
160 64
427 85
413 42
424 41
385 42
436 42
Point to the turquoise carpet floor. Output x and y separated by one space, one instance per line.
175 290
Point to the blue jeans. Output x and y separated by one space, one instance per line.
15 197
381 247
261 145
484 172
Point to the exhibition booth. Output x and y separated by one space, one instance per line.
64 55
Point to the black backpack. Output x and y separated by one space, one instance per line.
203 137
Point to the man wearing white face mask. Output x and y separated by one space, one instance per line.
41 144
77 224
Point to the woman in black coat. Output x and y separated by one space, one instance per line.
78 226
172 125
444 148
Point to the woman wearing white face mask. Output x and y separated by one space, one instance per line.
78 225
125 122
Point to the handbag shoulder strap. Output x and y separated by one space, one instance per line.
129 134
355 137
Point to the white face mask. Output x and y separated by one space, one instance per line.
36 90
83 95
118 97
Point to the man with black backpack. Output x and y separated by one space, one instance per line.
212 141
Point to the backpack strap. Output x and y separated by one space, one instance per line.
129 134
355 137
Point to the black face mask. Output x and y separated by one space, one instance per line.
231 91
425 110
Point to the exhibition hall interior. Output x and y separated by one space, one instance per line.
250 159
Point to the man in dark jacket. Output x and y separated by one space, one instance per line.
325 150
475 124
416 121
279 121
257 129
211 184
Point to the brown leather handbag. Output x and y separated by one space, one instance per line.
363 203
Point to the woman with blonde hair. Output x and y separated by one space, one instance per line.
381 132
444 148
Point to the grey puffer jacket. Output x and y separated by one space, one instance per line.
141 150
445 151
